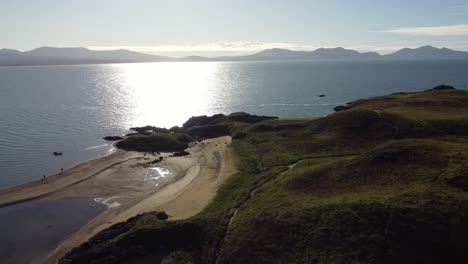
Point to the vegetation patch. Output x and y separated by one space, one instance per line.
167 142
381 181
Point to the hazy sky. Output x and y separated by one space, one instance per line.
219 27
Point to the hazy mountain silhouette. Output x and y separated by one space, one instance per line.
319 54
9 51
427 53
52 56
87 53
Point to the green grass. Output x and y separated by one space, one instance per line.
167 142
425 113
381 182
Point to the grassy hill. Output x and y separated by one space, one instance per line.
382 180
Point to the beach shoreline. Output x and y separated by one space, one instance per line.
118 179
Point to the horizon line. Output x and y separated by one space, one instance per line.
144 50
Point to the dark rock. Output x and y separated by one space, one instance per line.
248 118
202 120
209 131
459 182
340 108
180 153
112 138
197 121
167 142
443 87
150 129
176 129
162 215
398 93
154 161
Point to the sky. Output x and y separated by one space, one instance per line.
234 27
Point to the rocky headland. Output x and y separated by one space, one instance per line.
382 180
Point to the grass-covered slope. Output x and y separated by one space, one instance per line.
383 180
156 139
166 142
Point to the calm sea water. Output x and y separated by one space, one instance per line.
70 108
32 230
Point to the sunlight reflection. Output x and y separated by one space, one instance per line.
162 93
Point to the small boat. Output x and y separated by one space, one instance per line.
57 153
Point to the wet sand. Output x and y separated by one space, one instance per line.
118 179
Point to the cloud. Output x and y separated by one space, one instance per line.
454 30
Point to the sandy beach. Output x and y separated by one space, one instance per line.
118 180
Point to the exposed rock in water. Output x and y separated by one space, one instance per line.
112 138
181 153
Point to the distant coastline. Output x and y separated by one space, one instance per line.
74 56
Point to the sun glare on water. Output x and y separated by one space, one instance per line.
166 94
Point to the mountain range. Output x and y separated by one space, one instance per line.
62 56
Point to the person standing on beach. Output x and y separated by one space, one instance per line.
61 170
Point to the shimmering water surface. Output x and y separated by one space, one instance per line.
70 108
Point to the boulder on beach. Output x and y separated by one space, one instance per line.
162 215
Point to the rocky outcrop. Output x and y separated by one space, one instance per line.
180 153
112 138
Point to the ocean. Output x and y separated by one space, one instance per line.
70 108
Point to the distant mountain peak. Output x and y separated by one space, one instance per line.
9 51
427 52
81 55
427 47
58 48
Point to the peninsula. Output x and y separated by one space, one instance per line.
381 180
